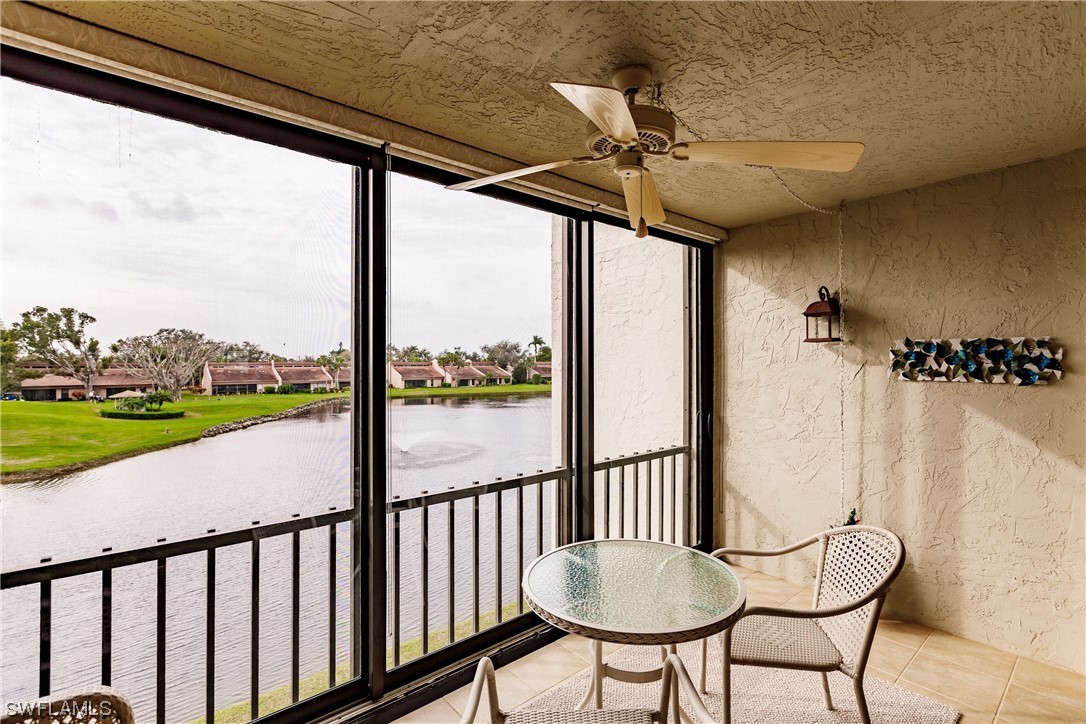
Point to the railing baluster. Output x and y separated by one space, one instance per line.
520 550
452 573
648 500
45 633
395 589
295 610
425 607
107 626
475 563
684 504
660 498
539 521
160 649
498 557
674 494
636 500
622 501
209 675
331 606
254 633
607 502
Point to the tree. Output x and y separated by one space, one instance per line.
155 400
244 352
452 358
334 361
535 344
505 353
13 369
544 354
60 340
414 354
392 352
170 357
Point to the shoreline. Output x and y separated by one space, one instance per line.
394 393
24 476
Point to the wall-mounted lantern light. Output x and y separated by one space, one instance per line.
823 318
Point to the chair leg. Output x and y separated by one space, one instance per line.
826 691
704 660
861 700
726 683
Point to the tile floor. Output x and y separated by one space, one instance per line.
985 684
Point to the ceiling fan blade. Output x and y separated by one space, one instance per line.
475 183
810 155
642 200
606 107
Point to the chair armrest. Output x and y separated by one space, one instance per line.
810 612
721 552
484 676
673 666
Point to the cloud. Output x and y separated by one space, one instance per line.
176 208
104 209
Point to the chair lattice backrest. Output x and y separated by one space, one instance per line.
857 561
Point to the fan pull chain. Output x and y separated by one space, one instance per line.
791 193
658 99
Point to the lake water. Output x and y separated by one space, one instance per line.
266 473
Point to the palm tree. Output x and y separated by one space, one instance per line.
535 344
334 361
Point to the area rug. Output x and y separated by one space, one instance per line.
759 695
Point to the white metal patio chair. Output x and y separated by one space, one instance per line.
484 677
97 705
856 565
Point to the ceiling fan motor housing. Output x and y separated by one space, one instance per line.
655 132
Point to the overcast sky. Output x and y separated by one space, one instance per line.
146 223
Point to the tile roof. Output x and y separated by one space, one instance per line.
463 373
298 373
242 373
492 368
417 371
115 377
52 380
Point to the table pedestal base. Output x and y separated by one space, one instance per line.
601 671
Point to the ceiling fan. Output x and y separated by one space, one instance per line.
629 133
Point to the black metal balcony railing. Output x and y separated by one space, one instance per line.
420 522
107 562
643 495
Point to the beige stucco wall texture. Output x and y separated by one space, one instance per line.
984 483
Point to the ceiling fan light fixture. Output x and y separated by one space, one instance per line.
628 165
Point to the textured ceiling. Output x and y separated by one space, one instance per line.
935 90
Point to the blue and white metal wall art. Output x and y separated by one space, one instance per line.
1014 360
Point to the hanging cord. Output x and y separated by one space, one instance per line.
657 98
841 356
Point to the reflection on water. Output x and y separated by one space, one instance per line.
265 473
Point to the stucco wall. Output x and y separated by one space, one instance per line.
984 483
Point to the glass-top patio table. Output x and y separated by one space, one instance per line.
633 592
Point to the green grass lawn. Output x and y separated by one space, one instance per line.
482 391
47 435
275 699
